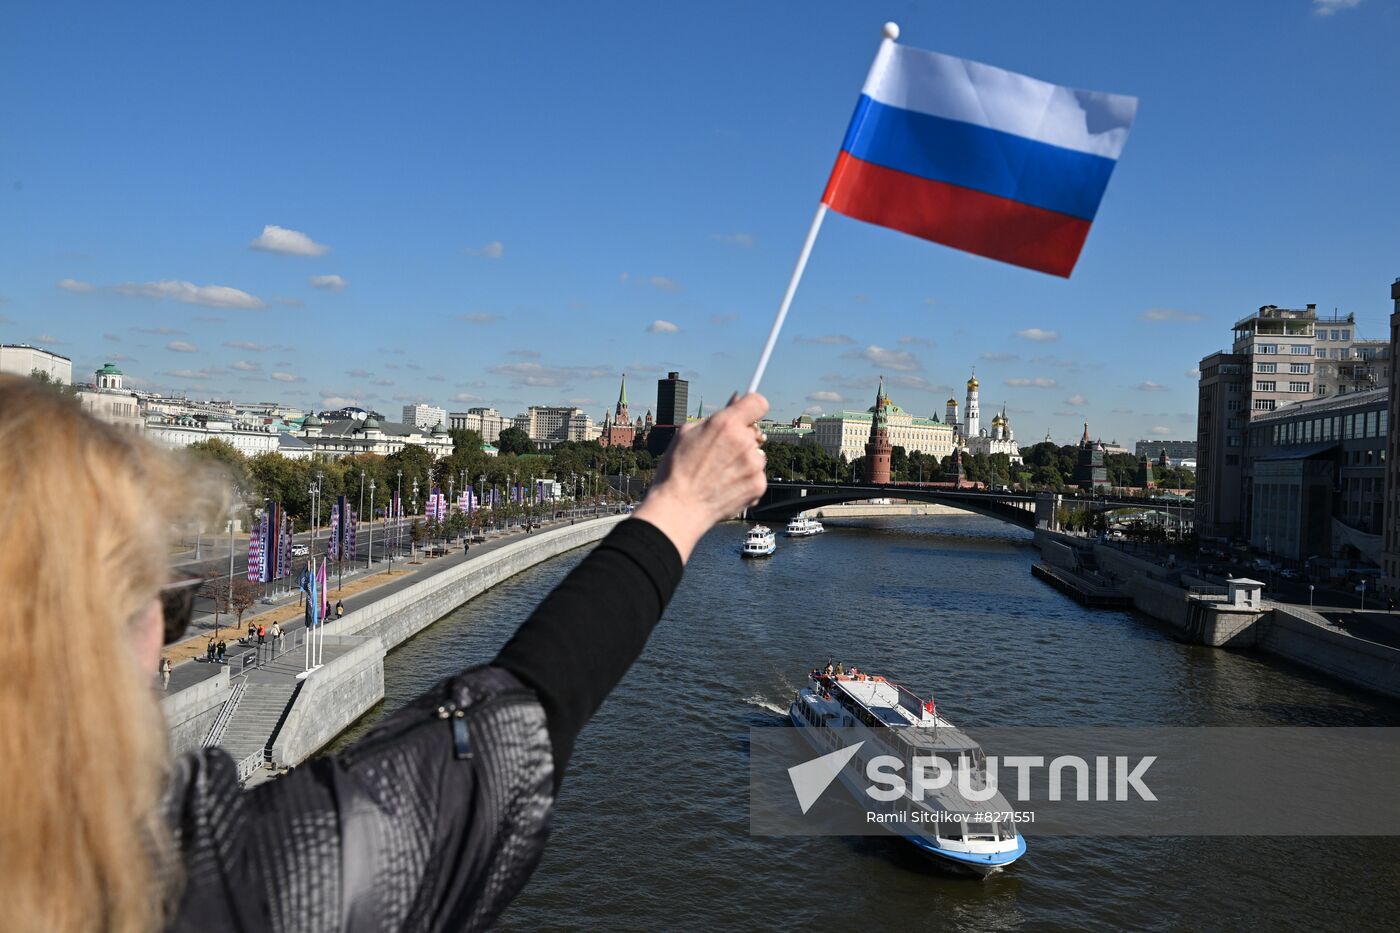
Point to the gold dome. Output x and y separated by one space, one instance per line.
952 401
972 383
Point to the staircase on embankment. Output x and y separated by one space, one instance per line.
259 711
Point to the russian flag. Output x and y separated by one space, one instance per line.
978 158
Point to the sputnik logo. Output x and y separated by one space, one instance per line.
811 778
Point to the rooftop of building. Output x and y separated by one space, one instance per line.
26 346
1275 313
1315 406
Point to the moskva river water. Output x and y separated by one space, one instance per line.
652 832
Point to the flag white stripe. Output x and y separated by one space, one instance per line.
971 92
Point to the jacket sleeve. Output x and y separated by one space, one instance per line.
436 819
581 640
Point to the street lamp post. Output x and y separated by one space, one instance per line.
398 518
1311 587
361 512
1363 594
369 562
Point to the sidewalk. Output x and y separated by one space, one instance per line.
188 655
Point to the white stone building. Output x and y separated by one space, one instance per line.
343 437
424 417
22 360
487 422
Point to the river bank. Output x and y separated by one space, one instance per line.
1238 617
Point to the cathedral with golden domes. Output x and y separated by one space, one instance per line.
973 438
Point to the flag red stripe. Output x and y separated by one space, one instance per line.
985 224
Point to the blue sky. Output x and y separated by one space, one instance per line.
510 195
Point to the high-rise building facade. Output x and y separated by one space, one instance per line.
1390 543
548 425
1345 362
487 422
672 404
425 417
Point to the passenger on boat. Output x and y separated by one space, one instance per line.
829 669
840 669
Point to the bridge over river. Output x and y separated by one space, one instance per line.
784 499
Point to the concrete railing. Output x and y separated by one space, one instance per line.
216 731
330 699
189 713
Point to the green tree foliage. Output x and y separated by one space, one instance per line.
800 462
515 441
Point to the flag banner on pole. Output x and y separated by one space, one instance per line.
333 539
978 158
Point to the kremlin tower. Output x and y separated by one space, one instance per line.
619 430
971 416
878 449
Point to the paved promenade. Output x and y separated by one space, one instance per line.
243 659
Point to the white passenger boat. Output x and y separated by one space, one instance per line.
804 527
759 542
842 709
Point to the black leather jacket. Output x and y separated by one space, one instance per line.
436 819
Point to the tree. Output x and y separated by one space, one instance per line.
515 441
245 594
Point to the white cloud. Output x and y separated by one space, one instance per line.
1160 431
1328 7
1038 335
194 374
1076 400
160 331
828 339
466 397
478 318
211 296
181 346
920 384
1193 373
901 360
815 411
245 345
329 283
289 302
112 338
49 339
275 239
381 382
909 340
492 250
662 327
746 240
539 374
286 377
339 401
663 283
824 396
1168 314
246 366
73 285
1034 382
1148 385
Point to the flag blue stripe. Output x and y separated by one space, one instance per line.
990 161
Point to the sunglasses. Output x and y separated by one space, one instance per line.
177 606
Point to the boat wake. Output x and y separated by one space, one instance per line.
764 703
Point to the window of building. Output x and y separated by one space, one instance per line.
1277 430
1345 353
1370 424
1322 353
1335 335
1233 441
1266 348
1267 386
1266 367
1234 387
1234 404
1232 459
1263 404
1346 335
1348 422
1304 368
1383 424
1300 387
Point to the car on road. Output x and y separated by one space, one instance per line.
300 550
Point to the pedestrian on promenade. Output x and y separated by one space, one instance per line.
223 652
209 649
339 609
165 667
179 845
252 631
276 632
262 634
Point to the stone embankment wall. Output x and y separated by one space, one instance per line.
334 697
869 510
331 698
193 710
1290 632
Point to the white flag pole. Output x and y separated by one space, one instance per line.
891 33
787 297
310 598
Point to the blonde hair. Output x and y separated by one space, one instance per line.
87 512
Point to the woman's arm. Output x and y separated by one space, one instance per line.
577 645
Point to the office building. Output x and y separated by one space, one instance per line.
424 417
23 360
672 404
548 425
487 422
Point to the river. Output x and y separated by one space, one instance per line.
651 831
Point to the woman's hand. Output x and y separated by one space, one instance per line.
713 469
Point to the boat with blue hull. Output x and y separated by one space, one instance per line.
842 709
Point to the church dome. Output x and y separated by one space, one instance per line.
311 422
439 431
371 423
972 383
952 401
